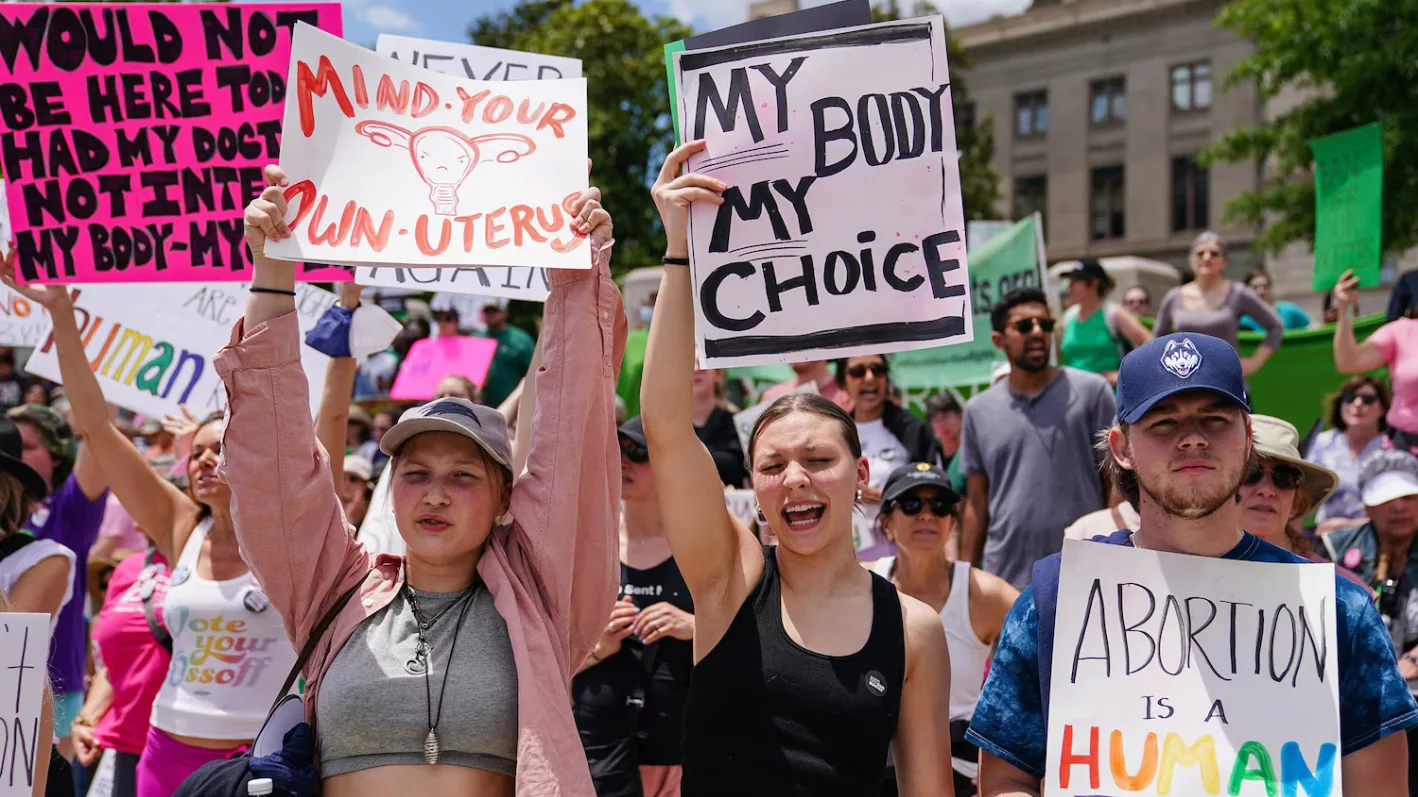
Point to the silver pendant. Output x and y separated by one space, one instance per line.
430 747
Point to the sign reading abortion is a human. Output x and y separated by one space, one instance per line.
841 230
1179 674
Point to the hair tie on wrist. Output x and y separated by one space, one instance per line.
675 261
276 291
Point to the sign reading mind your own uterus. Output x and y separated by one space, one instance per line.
393 164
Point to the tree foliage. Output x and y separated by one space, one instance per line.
622 58
979 184
1353 61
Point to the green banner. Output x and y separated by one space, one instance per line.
670 50
1349 188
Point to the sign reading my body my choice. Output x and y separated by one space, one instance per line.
394 164
1191 675
134 135
842 230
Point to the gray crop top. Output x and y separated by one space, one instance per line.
372 710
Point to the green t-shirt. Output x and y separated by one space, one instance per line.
509 363
1089 345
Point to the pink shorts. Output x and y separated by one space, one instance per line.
166 762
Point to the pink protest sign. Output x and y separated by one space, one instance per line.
133 135
431 359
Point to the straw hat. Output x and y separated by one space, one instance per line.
1278 440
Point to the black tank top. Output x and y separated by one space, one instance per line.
767 717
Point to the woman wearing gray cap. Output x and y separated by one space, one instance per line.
447 670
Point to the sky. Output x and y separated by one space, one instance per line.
366 19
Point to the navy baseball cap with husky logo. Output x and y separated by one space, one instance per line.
1174 364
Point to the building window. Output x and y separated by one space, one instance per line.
1031 114
1190 189
1108 102
1031 194
1107 203
1191 86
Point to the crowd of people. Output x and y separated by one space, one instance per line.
877 627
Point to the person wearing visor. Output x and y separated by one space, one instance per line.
1096 332
1181 451
920 511
446 670
629 694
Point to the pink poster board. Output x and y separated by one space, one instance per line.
132 135
431 359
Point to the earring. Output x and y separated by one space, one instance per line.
762 518
859 496
504 519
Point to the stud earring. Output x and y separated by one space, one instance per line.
504 519
859 496
762 518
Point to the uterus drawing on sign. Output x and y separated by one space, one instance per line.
444 157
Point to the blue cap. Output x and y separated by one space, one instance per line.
1175 364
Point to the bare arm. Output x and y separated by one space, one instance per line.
999 778
1350 356
1370 771
333 418
41 589
720 560
977 517
89 476
923 729
1130 327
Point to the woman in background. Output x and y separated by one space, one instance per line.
1356 415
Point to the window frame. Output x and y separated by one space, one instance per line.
1115 214
1191 82
1114 90
1037 104
1195 183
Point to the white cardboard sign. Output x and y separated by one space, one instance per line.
23 323
151 344
527 284
1179 674
394 164
842 230
476 63
24 651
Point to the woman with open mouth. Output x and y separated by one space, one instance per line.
808 667
507 578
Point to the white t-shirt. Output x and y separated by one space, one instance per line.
19 562
884 454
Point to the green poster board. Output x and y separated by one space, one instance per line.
1349 188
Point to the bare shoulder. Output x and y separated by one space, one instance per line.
925 635
992 587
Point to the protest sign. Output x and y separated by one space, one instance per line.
431 359
393 164
743 505
841 231
151 346
1179 674
1349 206
842 14
134 135
24 649
379 533
476 63
527 284
22 322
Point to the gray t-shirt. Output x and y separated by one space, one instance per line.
1224 321
1038 454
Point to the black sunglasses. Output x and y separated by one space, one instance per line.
1369 399
1282 476
860 371
912 505
1027 325
634 452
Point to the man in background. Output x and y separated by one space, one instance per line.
513 356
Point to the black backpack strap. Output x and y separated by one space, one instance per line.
14 542
314 638
150 611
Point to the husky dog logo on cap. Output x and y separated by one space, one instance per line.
1182 358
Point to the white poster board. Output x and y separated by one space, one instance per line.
379 533
1184 674
842 230
151 344
527 284
23 323
743 504
397 165
24 651
476 63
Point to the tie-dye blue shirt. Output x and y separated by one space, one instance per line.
1011 719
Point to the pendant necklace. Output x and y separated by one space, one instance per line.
430 743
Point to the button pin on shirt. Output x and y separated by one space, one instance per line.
876 683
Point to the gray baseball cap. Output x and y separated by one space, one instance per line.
485 425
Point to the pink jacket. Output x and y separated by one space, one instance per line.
552 573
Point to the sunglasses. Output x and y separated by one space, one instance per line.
1028 325
860 371
1369 399
912 505
1283 477
634 452
1212 253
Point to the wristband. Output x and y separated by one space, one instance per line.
276 291
675 261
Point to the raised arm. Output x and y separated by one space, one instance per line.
287 515
162 510
720 560
333 417
1350 356
567 504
